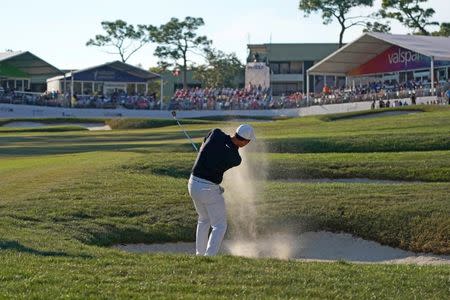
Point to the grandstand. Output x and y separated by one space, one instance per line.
378 63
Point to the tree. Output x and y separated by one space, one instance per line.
220 70
444 30
377 27
336 9
154 86
409 13
176 40
125 38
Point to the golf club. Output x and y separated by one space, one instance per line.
174 115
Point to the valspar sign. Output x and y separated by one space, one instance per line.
404 57
396 59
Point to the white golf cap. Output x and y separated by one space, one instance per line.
246 131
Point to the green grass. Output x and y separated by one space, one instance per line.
349 115
147 123
66 195
52 120
110 275
61 128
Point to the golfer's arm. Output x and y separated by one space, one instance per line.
207 136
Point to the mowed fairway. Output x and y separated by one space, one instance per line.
68 194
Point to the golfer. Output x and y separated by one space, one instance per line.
218 153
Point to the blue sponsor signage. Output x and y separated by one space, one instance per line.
106 73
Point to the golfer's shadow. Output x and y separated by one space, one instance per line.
14 245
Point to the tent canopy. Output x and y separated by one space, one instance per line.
122 67
370 45
28 63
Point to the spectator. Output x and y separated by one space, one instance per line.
413 98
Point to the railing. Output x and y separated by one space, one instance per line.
349 96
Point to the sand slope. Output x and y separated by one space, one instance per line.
309 246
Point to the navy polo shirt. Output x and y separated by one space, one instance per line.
217 154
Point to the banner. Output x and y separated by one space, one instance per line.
396 59
106 73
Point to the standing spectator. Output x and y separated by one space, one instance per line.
413 98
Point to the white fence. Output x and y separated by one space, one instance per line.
31 111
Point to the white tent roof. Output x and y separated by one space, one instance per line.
372 44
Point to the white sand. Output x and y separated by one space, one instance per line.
309 246
348 180
89 126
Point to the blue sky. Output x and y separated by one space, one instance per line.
57 31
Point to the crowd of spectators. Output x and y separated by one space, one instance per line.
377 90
197 98
251 97
16 97
55 98
115 100
259 98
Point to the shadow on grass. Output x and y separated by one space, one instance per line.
65 149
14 245
95 137
112 234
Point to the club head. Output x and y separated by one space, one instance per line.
174 113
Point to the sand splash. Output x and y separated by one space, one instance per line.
244 187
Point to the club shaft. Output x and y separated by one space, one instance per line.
186 134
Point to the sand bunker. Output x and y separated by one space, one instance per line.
89 126
348 180
309 246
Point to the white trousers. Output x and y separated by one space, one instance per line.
210 206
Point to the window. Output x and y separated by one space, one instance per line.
98 88
19 86
340 82
330 81
442 77
275 68
284 68
318 83
296 67
77 87
87 88
130 88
